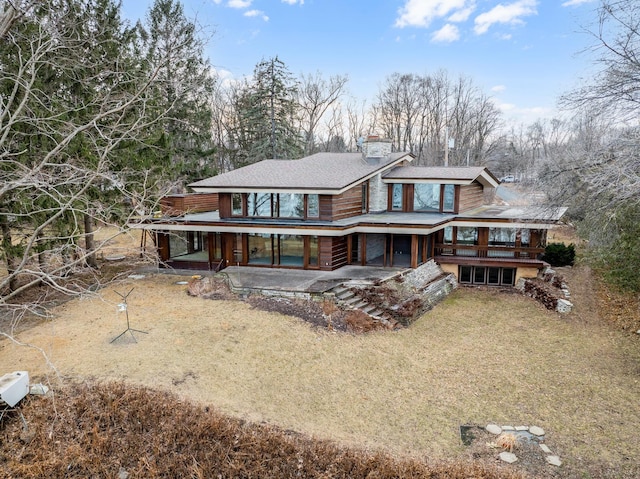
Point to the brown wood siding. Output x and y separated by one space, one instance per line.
483 236
224 203
175 205
162 240
538 238
347 204
471 196
326 207
333 252
408 193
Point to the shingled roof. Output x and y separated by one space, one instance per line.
331 172
439 174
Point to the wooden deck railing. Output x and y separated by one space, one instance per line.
485 251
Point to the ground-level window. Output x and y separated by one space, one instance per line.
283 250
490 275
188 246
260 248
291 250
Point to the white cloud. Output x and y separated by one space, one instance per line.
447 34
498 88
293 2
256 13
462 15
239 3
573 3
510 14
506 107
420 13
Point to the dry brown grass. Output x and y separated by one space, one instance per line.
115 430
479 357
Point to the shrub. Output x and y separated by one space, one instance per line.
559 254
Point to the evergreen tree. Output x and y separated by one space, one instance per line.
183 87
266 115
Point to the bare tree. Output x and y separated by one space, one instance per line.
427 114
61 158
616 87
315 97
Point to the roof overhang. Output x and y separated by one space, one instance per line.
319 191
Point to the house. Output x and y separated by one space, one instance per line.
329 210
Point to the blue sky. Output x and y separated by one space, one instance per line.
523 53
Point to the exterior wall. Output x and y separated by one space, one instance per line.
450 269
523 272
375 245
333 252
377 194
347 204
471 196
175 205
224 204
326 207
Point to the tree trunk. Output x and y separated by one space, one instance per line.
11 260
89 240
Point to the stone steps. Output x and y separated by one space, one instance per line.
351 300
429 280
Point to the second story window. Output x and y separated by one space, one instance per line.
396 197
313 206
448 198
467 235
365 197
426 197
236 204
290 205
259 204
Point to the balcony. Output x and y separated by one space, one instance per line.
486 251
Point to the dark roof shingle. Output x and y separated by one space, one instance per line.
323 171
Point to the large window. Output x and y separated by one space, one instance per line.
502 237
449 198
291 205
396 197
236 204
260 248
259 204
448 235
188 246
426 197
291 248
314 251
276 205
467 235
313 206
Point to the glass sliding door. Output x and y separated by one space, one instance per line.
260 248
291 250
314 252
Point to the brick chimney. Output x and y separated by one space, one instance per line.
375 148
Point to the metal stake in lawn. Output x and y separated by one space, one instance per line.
123 307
